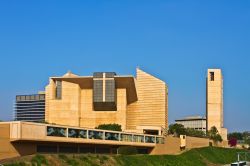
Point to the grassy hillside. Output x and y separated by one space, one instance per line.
198 157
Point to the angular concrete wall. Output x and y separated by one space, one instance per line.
151 108
10 150
171 146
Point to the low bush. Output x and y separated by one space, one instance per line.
127 150
63 157
16 164
69 161
210 144
112 127
38 160
103 159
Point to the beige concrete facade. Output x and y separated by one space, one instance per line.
215 101
23 138
151 108
9 149
141 101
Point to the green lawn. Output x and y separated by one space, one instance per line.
194 157
201 156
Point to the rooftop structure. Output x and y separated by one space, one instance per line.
194 122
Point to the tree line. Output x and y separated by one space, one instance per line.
178 129
238 137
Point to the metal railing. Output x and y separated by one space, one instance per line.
243 156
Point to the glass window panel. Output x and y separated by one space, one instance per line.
95 134
82 133
73 133
126 137
111 136
149 139
58 89
56 131
159 140
138 138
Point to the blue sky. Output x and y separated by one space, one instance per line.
177 41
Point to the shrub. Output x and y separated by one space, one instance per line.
210 144
214 135
39 160
236 135
127 150
113 127
103 159
247 141
72 162
69 161
232 142
195 133
177 129
16 164
63 157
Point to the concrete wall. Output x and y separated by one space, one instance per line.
65 110
151 107
171 146
76 107
10 150
195 142
91 118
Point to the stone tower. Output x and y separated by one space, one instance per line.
214 103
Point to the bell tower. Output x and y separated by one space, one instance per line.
214 101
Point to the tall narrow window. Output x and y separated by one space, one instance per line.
211 76
58 89
104 91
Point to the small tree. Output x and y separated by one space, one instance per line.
113 127
218 138
247 142
214 135
176 129
232 142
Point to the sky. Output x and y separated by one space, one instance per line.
177 41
